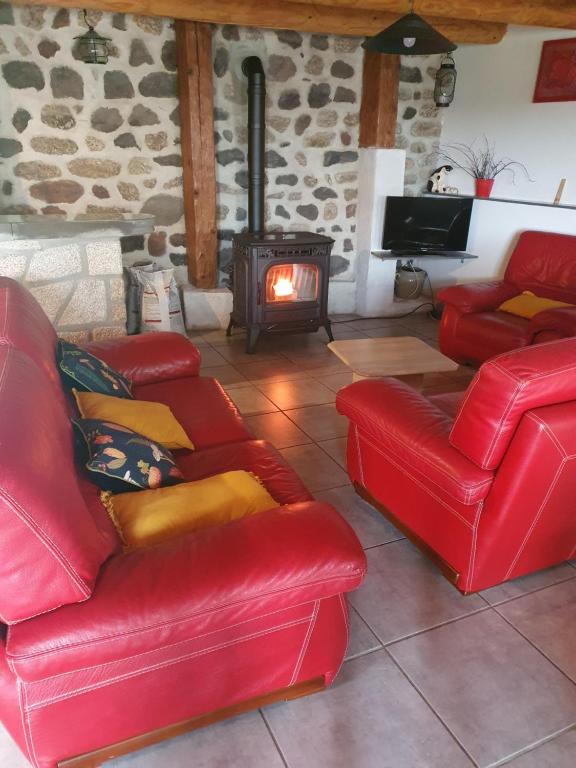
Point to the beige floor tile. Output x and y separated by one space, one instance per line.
548 619
361 639
297 394
391 330
336 449
370 718
334 381
370 526
225 374
276 369
320 422
495 692
250 400
530 583
557 753
316 469
369 324
405 593
210 358
236 354
277 429
242 741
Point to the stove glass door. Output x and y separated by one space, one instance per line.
291 283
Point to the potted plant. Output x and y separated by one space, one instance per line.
481 163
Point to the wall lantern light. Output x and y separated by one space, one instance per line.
445 82
92 47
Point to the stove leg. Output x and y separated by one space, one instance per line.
231 325
328 327
251 339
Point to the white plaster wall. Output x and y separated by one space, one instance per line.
493 233
494 97
494 94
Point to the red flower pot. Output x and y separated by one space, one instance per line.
484 187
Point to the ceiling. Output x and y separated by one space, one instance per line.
464 21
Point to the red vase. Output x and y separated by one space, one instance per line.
484 187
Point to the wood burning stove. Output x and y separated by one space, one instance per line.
280 283
280 279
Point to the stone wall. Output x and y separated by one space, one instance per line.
77 282
77 138
313 85
419 120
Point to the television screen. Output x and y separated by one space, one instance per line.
424 224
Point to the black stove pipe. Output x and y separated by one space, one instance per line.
252 68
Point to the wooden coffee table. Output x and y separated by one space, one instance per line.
404 357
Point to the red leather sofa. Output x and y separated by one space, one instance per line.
484 481
472 329
98 646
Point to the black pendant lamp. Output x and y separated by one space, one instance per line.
411 36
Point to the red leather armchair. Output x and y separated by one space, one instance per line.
485 481
472 329
102 651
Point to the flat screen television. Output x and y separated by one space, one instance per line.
414 225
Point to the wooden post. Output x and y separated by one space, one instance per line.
378 111
194 49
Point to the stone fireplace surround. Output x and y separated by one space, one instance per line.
73 268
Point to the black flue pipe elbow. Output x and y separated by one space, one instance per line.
252 68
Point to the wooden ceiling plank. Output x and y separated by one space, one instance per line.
280 14
537 13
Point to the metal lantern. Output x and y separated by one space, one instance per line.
411 36
92 47
445 83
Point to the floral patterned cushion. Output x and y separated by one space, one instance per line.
120 460
82 370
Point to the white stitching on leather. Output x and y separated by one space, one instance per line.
28 729
467 491
48 543
24 517
161 665
537 517
402 468
344 607
504 371
498 430
472 560
305 642
471 386
23 718
185 640
212 609
514 352
549 431
5 314
468 488
359 453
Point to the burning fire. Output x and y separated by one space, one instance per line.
283 287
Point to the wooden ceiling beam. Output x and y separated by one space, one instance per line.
279 14
536 13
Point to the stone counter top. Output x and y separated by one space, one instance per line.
84 226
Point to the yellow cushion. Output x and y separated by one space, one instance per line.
153 420
144 518
528 304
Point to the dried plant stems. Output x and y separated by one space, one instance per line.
480 162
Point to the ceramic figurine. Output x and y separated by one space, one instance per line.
437 181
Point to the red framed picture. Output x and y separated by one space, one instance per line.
557 73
